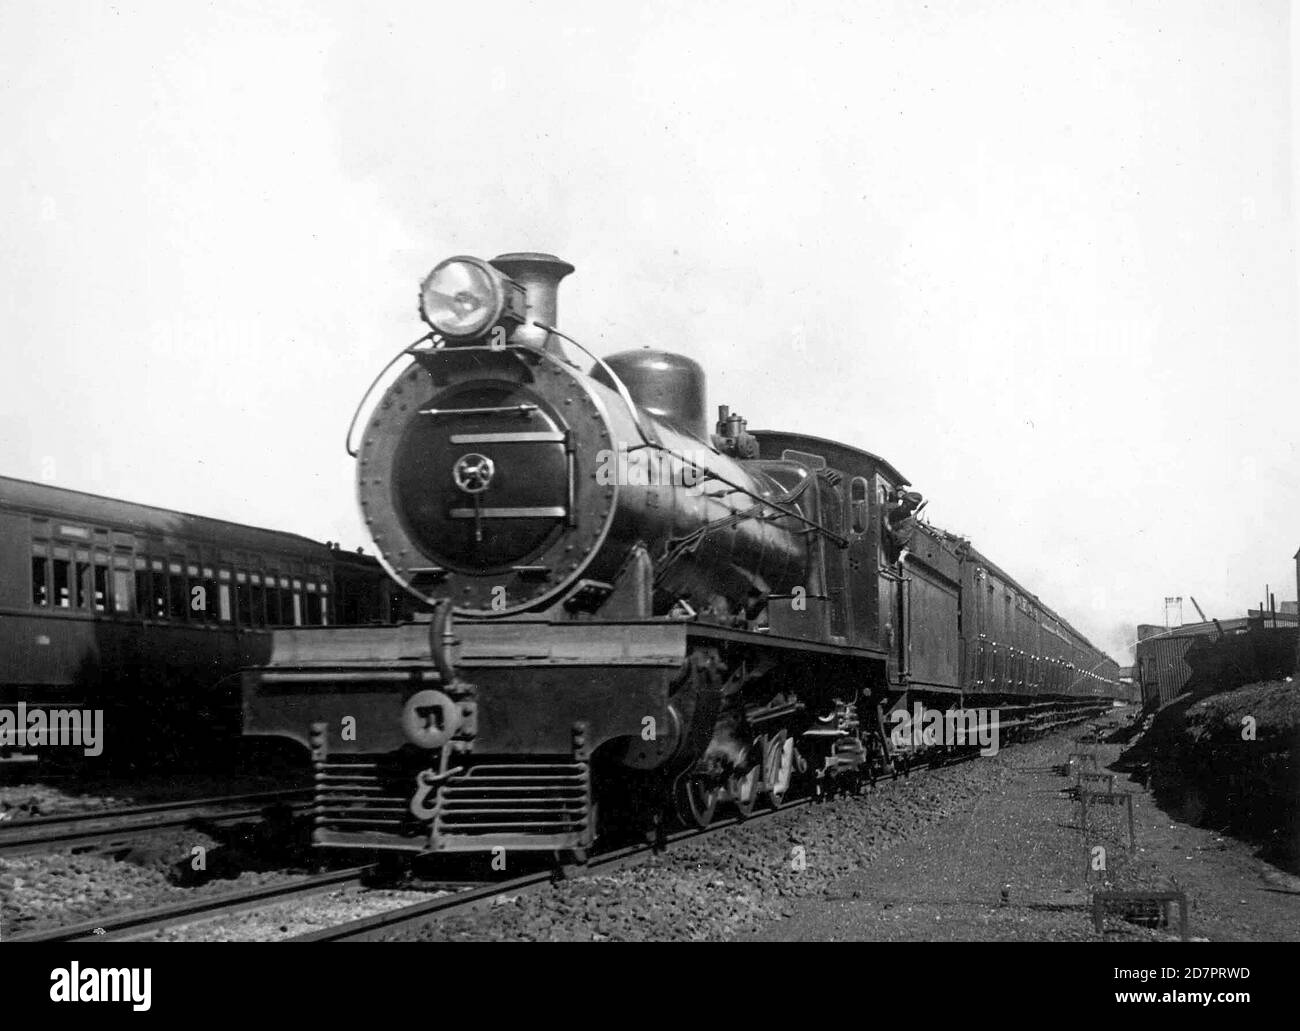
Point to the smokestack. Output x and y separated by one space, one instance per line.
539 275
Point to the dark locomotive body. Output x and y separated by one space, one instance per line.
628 609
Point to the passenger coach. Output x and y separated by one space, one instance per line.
143 611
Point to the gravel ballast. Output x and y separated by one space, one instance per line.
985 850
756 874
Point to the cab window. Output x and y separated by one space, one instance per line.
859 511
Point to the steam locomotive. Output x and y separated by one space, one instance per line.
630 614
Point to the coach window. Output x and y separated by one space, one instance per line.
62 578
122 584
243 606
83 582
157 602
143 591
297 603
100 584
158 599
176 598
40 577
858 504
211 607
223 594
195 603
324 604
259 600
347 604
272 599
143 587
275 609
313 605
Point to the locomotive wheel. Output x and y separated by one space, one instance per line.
697 800
743 788
778 767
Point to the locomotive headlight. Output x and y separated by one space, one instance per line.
463 298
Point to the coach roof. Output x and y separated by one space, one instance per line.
62 502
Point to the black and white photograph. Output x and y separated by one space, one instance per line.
684 472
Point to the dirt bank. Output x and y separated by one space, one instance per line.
1232 761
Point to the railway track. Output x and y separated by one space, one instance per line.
105 828
124 925
378 924
458 898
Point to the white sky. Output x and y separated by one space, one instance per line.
1039 255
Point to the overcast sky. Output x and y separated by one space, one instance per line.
1039 255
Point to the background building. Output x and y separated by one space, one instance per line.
1161 669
